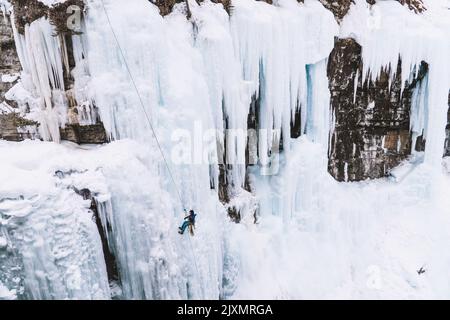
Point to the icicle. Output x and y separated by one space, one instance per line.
418 111
438 89
306 32
41 57
318 123
355 86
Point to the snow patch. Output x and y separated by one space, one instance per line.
9 78
5 294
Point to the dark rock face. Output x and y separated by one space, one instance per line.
90 134
225 184
12 126
415 5
110 259
165 6
27 11
9 62
339 8
371 134
15 128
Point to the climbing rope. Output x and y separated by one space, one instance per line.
148 120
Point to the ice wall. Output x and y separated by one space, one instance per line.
274 45
192 79
53 245
352 240
170 77
42 76
195 76
52 88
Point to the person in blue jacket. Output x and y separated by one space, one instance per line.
189 221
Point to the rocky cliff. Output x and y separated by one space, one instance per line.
372 119
10 64
29 111
326 98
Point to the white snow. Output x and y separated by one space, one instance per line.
59 242
9 77
3 243
313 237
318 238
6 294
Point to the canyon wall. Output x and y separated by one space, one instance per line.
371 125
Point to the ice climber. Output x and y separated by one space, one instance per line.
189 221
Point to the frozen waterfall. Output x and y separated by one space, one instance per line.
301 234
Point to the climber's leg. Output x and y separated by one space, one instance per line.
183 227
